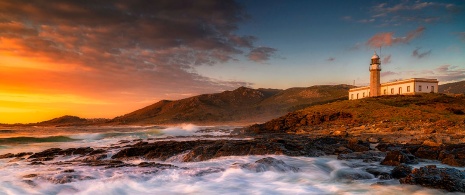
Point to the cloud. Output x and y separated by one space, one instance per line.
143 47
419 12
419 55
388 73
386 39
448 73
386 59
330 59
261 54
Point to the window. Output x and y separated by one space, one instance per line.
363 94
419 88
351 96
427 87
357 95
392 91
385 92
400 90
408 88
432 89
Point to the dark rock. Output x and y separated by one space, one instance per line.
199 150
453 155
46 153
267 164
68 171
94 157
379 172
30 176
10 155
67 178
36 163
7 155
358 145
395 158
401 171
209 171
77 151
349 174
371 156
385 147
156 165
449 179
427 152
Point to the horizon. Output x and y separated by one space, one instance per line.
107 58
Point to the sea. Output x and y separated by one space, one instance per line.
316 175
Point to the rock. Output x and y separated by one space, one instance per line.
199 150
10 155
156 165
427 152
209 170
373 140
395 158
94 157
453 155
358 145
340 133
449 179
7 155
431 143
30 176
267 164
368 156
67 178
77 151
379 172
345 174
401 171
46 153
36 163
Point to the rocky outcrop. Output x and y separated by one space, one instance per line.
267 164
449 179
395 158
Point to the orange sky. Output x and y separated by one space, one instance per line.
107 58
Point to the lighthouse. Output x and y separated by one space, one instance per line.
375 71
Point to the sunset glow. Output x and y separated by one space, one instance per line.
101 59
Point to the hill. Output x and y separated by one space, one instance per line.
243 105
418 116
456 88
68 120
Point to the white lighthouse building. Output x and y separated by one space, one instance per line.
403 87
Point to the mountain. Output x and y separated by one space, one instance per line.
68 120
457 88
243 105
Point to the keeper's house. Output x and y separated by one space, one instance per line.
403 87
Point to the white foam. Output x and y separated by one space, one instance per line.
183 130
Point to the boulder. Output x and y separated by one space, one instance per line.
427 152
401 171
449 179
267 164
395 158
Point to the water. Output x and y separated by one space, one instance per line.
322 175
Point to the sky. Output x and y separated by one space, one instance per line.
102 59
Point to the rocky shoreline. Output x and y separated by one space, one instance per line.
398 156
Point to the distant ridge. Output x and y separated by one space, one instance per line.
457 88
240 105
68 120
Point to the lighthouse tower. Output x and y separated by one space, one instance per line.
375 71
